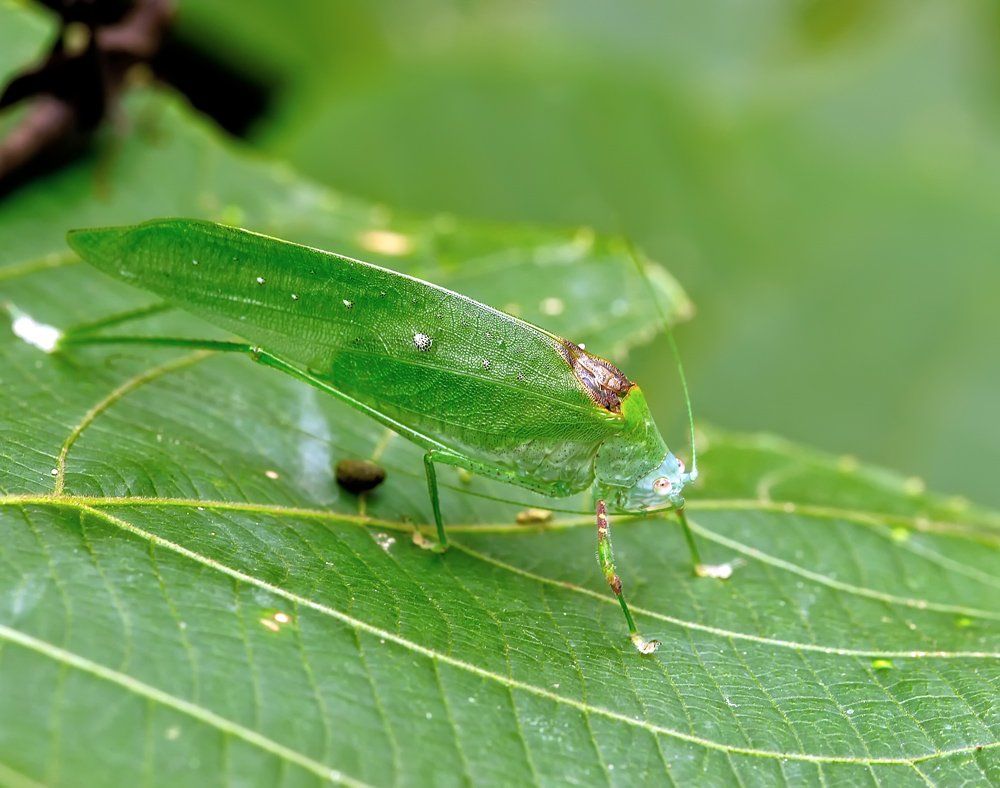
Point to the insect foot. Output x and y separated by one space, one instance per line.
718 571
644 646
44 337
424 543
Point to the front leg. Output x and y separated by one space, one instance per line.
605 555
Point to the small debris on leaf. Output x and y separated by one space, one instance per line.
358 476
533 516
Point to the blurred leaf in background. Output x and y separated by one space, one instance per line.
823 176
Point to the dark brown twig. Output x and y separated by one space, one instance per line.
80 82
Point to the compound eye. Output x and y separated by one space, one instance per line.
680 465
662 485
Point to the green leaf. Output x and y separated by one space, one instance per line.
190 598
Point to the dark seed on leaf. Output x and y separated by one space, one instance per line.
358 476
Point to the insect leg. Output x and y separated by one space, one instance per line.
261 357
117 319
717 571
432 489
689 538
605 555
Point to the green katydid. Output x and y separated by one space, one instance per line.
473 387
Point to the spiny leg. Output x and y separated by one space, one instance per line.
717 571
605 555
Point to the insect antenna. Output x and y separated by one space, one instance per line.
693 473
647 272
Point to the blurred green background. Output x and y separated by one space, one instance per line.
822 175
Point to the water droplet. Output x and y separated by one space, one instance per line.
54 472
260 280
471 699
295 297
582 346
552 306
429 716
271 474
848 712
486 363
271 624
882 664
348 304
282 618
194 262
422 341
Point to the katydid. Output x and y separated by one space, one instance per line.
472 386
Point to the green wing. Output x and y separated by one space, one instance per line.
480 382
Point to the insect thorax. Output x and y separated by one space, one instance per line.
628 456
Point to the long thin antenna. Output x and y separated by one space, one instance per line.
693 473
645 272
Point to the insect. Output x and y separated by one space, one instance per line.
472 386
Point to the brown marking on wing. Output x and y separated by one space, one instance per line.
604 383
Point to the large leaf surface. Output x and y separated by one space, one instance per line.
187 596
